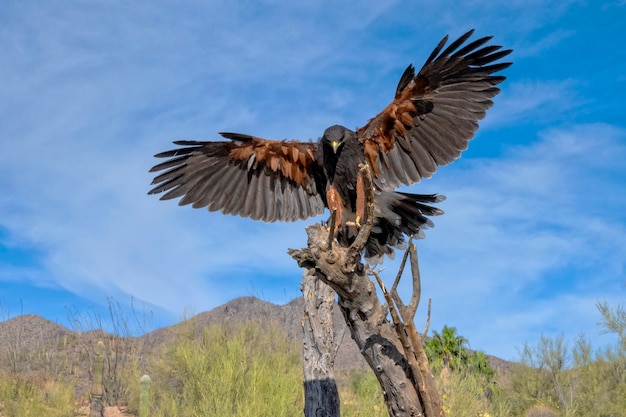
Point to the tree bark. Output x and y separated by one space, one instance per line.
321 398
366 319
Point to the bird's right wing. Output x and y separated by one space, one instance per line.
434 113
249 176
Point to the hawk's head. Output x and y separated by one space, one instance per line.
335 136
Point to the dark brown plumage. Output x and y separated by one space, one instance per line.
428 124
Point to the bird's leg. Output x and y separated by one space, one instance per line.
360 203
335 205
331 232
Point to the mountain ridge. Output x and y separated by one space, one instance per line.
24 338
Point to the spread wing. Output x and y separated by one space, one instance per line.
435 113
252 177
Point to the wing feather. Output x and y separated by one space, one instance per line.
248 176
435 113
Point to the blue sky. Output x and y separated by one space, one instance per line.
535 227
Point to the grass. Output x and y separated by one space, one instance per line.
253 369
33 396
361 395
247 370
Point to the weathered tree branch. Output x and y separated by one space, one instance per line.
405 325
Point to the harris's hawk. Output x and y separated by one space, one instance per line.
428 124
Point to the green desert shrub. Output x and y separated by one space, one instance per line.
34 396
573 380
242 370
360 395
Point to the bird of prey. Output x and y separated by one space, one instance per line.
428 124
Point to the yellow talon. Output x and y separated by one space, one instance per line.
356 223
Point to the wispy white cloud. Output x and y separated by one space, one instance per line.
90 92
534 101
546 43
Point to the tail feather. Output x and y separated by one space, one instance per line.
397 215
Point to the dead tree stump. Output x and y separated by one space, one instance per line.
320 344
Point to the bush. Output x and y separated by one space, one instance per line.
32 396
360 395
573 380
244 370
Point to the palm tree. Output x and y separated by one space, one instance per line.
479 363
447 349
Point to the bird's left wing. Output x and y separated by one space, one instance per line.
435 113
248 176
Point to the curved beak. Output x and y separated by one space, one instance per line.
335 145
